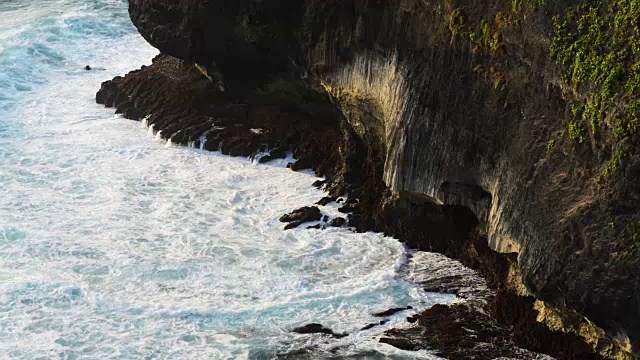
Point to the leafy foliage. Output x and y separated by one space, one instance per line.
599 44
458 23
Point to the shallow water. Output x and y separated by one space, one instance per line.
115 245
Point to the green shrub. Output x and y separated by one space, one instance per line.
550 144
458 23
576 132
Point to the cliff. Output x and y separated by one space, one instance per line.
519 117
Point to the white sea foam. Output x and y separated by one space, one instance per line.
115 246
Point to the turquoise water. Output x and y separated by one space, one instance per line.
115 245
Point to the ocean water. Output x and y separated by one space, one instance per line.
116 245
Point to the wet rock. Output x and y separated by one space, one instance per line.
347 209
412 319
124 106
317 329
259 155
128 111
133 114
301 216
293 225
391 311
338 222
238 143
309 213
467 331
351 205
319 183
121 97
325 218
456 332
351 201
278 153
265 159
108 92
302 164
372 325
325 200
402 344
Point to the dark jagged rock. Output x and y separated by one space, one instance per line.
392 311
186 107
265 159
309 213
294 224
350 206
413 318
108 92
462 332
123 106
302 164
319 183
338 222
317 329
372 325
402 344
301 216
278 153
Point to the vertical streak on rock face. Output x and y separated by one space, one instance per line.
422 150
381 81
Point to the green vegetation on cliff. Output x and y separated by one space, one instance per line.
487 37
598 42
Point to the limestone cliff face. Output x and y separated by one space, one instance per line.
467 107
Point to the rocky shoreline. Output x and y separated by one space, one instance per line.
280 115
503 134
